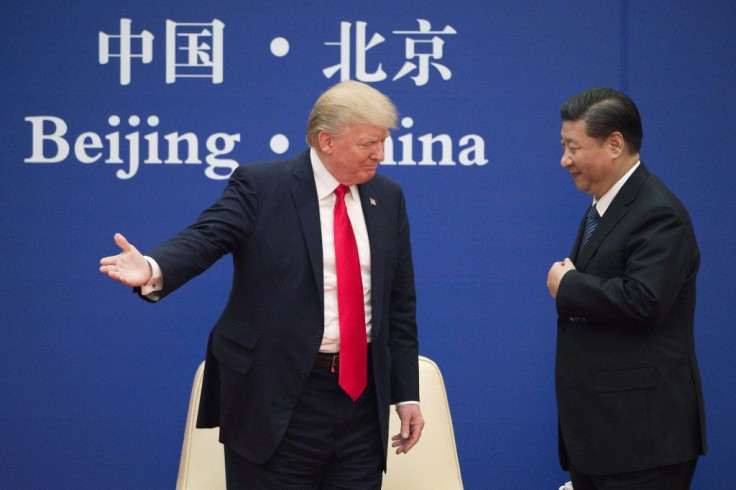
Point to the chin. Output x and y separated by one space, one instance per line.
368 174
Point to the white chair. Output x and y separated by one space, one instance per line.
431 464
202 464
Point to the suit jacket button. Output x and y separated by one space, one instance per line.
303 373
318 334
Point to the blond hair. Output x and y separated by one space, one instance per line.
348 103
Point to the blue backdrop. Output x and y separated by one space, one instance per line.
124 116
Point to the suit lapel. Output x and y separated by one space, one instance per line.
371 213
613 215
304 192
578 239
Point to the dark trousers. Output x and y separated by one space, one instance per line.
331 443
673 477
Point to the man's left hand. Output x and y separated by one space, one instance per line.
412 424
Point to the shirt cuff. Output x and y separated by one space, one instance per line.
157 279
411 402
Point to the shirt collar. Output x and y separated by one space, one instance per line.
601 205
323 179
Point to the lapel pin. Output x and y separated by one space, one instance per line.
373 201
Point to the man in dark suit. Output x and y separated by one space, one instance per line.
295 410
629 396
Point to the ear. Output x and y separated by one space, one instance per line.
616 144
325 142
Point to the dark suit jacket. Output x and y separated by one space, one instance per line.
263 346
628 387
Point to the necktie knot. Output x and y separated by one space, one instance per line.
341 190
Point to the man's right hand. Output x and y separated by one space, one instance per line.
128 267
554 276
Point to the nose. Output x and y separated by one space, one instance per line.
565 161
377 154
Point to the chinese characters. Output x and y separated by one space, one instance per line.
193 50
423 50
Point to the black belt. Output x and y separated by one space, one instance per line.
328 362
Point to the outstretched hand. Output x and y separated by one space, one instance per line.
128 267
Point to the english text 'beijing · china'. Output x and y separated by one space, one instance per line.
51 144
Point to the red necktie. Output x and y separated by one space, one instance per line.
350 306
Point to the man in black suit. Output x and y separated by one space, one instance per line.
276 358
629 396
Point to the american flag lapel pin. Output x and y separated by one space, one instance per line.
373 201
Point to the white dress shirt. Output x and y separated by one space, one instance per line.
326 185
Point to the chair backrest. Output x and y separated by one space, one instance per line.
433 463
202 464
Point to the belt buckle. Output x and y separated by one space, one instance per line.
335 364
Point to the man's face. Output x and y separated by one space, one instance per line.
588 159
353 156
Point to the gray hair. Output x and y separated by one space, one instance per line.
348 103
